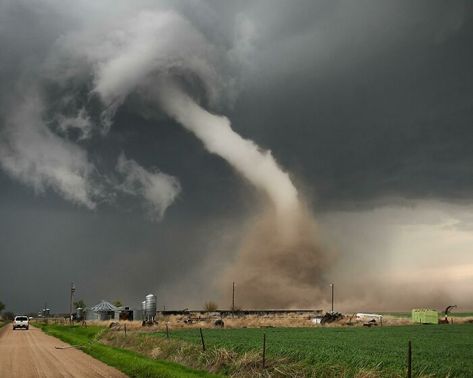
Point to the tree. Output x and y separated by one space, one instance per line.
79 304
117 303
2 307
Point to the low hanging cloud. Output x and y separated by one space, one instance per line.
33 154
81 123
106 59
124 53
158 189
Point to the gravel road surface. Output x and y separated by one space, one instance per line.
33 354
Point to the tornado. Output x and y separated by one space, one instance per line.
157 55
280 262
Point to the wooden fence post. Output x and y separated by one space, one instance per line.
409 359
125 329
264 350
202 339
167 331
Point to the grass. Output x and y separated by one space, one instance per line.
461 314
218 360
130 363
438 350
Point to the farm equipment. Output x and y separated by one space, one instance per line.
448 309
331 317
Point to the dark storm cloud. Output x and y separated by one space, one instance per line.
359 101
380 105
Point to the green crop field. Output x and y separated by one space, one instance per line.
438 350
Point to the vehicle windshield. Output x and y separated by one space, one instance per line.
21 318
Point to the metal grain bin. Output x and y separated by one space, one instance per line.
150 306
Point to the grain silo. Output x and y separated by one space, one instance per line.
150 307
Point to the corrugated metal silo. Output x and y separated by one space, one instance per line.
150 306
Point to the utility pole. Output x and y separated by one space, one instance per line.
233 297
332 287
73 289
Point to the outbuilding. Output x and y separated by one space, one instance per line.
425 316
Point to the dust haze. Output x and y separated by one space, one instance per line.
274 269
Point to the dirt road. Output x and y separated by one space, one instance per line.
33 354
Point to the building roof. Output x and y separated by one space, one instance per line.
103 306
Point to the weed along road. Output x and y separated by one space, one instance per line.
32 353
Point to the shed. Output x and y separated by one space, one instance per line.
425 316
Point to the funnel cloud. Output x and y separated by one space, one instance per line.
254 164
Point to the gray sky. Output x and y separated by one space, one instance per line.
367 105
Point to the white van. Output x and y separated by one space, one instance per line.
21 322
